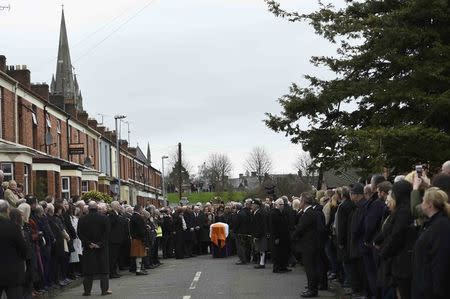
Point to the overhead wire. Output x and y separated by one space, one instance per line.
111 33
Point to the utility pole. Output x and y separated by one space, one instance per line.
180 180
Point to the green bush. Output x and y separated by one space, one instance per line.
96 196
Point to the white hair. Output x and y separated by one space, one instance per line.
399 178
26 210
446 167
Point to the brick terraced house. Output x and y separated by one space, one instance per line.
49 144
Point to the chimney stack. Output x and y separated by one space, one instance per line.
2 63
83 117
21 74
41 89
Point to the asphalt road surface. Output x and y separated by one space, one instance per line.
204 277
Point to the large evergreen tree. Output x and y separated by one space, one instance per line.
392 69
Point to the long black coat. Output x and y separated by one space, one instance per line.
13 251
202 222
117 228
94 228
259 224
243 222
431 266
306 231
279 227
138 228
343 229
399 242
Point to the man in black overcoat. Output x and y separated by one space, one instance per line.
307 234
118 233
259 232
201 229
93 231
243 233
189 233
13 251
279 232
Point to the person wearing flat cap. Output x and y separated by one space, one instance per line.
259 232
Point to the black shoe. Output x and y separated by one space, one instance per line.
141 273
86 294
241 263
260 267
309 294
106 293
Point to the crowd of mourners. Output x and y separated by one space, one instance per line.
377 240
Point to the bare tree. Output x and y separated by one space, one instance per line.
217 169
305 167
259 162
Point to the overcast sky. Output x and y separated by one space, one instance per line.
200 72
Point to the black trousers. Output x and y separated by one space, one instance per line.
14 292
280 256
357 275
310 265
244 247
114 252
179 245
167 247
88 279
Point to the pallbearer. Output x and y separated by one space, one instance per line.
218 232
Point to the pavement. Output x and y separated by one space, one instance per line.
202 278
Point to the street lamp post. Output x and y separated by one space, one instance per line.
116 118
163 183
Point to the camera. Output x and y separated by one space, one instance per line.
419 170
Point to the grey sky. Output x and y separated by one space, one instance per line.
200 72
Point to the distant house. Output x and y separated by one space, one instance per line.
339 177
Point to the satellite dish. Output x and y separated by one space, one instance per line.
88 162
48 138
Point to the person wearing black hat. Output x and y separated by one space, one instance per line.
259 232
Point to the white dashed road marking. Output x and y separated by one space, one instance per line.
186 297
195 280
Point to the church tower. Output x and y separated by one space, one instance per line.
64 87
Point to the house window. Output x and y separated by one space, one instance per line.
25 179
8 172
84 187
58 137
49 123
34 117
65 187
35 133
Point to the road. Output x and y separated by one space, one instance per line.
204 277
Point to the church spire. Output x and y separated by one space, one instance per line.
149 155
65 83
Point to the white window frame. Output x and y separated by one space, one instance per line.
65 191
58 126
84 187
34 118
47 118
26 181
8 174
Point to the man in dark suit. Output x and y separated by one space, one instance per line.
306 232
201 229
279 232
13 251
243 232
93 231
189 233
118 233
259 232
